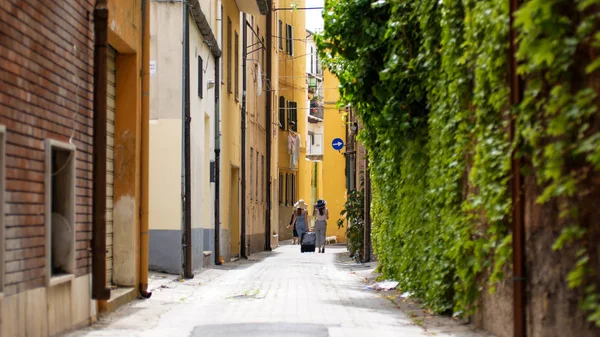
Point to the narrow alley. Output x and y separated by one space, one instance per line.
159 158
278 293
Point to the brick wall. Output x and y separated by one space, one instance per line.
46 78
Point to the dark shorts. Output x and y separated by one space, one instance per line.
295 232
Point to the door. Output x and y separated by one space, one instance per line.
110 155
234 212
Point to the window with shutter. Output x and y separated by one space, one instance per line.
237 66
290 40
280 35
229 54
282 121
200 77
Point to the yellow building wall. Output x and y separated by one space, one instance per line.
292 85
230 138
275 135
125 31
334 163
256 135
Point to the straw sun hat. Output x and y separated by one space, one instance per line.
300 204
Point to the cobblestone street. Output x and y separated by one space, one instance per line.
281 293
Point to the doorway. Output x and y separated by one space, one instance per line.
234 211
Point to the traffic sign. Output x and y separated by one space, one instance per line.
337 144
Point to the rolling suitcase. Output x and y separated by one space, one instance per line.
308 242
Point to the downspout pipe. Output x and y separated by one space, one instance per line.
185 155
269 114
99 289
518 202
217 164
144 244
243 252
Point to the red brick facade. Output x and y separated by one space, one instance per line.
46 78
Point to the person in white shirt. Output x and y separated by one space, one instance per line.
321 214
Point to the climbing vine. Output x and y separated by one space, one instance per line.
429 81
559 44
354 213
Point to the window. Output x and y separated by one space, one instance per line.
229 55
200 77
292 115
281 189
251 175
262 178
312 60
221 36
2 202
257 175
237 66
282 121
292 189
288 188
290 40
60 211
280 34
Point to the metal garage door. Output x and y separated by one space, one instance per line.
110 167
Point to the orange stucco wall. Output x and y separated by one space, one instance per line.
125 35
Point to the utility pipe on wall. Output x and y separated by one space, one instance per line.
145 162
217 164
99 289
269 94
185 146
243 252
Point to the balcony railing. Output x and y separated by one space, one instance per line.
316 113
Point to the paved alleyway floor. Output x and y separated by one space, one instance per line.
280 293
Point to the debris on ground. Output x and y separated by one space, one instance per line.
383 286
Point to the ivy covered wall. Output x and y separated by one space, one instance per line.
429 81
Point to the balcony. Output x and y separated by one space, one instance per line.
316 113
314 147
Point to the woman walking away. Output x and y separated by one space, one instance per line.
322 215
300 220
295 232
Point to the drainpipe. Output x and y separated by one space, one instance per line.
99 290
269 93
217 164
144 246
518 206
185 153
243 252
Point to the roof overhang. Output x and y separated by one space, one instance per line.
253 7
204 27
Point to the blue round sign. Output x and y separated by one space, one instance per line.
337 144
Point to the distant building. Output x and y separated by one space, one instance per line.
293 169
171 154
315 131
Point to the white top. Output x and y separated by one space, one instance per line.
324 216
